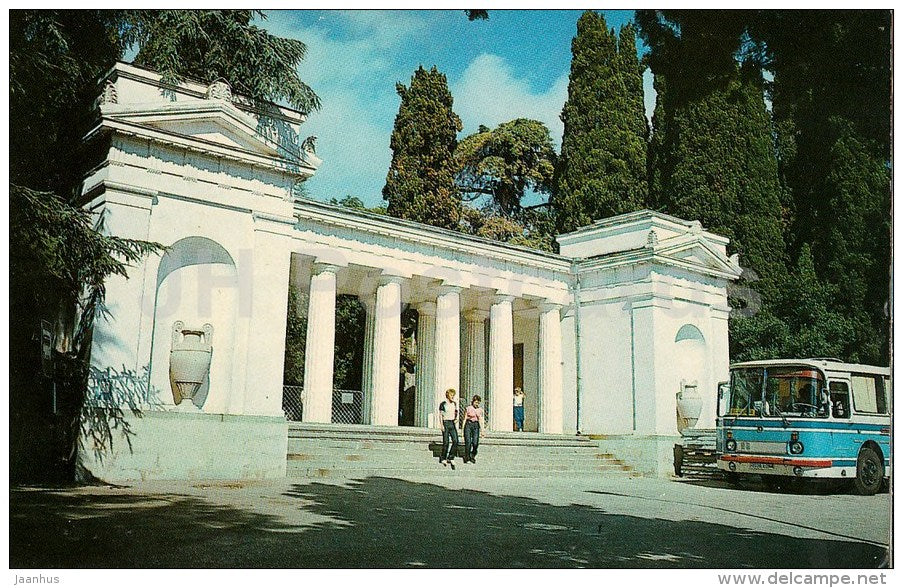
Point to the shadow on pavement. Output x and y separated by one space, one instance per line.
385 522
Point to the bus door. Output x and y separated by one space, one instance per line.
841 411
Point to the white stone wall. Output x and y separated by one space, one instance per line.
198 169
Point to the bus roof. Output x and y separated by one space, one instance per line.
823 364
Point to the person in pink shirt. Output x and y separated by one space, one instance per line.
473 422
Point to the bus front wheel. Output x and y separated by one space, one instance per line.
869 472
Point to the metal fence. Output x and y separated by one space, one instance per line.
293 402
347 405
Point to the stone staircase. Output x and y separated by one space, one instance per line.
351 451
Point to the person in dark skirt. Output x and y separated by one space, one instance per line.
448 412
473 422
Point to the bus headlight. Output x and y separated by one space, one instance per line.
731 445
796 447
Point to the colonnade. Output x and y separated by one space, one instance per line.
441 362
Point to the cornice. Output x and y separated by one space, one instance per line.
649 255
203 146
417 233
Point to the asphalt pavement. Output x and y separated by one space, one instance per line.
417 521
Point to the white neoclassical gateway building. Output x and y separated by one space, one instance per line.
604 337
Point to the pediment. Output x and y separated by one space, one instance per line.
697 252
207 121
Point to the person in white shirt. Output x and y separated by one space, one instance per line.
519 409
448 411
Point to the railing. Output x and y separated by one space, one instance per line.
347 405
293 402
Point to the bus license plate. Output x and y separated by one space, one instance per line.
761 466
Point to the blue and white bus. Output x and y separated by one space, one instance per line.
806 418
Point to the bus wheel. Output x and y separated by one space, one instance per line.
869 472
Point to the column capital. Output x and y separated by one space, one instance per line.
476 315
386 279
426 307
449 289
502 298
548 306
321 268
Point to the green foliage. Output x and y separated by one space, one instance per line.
832 107
801 323
420 185
534 228
715 163
349 341
350 321
55 59
505 162
61 259
602 168
207 45
830 134
356 203
295 337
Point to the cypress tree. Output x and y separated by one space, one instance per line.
712 159
832 106
420 185
715 162
602 169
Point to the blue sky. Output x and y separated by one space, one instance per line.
513 65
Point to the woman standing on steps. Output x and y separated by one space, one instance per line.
473 422
448 413
519 409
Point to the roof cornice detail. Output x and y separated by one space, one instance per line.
164 137
419 233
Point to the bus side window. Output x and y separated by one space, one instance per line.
869 394
840 400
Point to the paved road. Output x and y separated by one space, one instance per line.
388 522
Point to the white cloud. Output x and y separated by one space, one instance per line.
488 93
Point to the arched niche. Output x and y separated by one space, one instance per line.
689 332
196 283
691 373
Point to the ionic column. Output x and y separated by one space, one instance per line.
425 371
551 396
369 303
501 363
320 344
448 343
474 352
386 352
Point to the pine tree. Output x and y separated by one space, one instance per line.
602 168
420 185
504 163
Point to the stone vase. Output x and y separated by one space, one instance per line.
189 360
689 404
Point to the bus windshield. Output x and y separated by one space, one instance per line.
778 391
